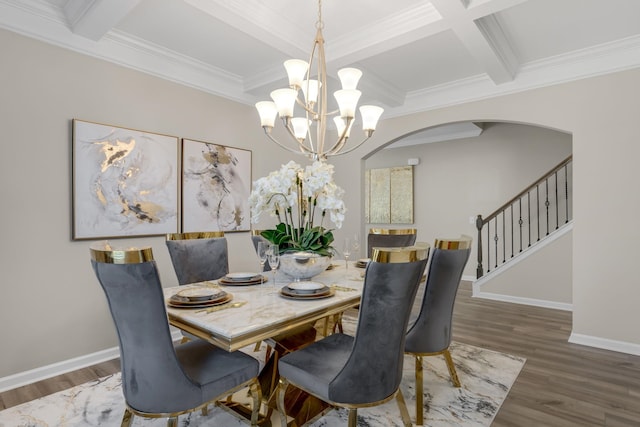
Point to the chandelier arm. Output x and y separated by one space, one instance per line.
350 149
285 147
305 107
337 146
342 140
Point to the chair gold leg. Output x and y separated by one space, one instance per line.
353 417
337 325
419 391
281 389
204 411
184 340
256 394
452 368
127 417
404 412
172 422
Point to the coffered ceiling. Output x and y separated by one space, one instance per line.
415 54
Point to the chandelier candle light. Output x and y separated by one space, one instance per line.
315 102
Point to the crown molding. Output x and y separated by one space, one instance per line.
40 20
598 60
48 24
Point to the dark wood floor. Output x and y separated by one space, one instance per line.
561 384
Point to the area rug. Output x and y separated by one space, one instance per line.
486 378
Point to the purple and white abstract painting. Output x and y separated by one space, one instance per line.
125 182
216 182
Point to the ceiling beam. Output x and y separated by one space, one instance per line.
95 18
480 32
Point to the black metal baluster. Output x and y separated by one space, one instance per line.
495 238
520 222
529 215
504 239
546 203
566 193
512 235
488 246
538 208
557 207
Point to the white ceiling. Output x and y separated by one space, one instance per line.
415 54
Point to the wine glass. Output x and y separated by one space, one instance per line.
346 251
356 245
262 256
274 260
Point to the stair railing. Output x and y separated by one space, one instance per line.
519 223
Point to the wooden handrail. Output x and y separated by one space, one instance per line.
526 190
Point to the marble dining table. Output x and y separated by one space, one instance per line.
259 312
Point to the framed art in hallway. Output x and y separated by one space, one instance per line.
389 195
125 182
216 182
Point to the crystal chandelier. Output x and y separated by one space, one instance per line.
314 102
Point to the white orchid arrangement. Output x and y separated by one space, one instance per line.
294 196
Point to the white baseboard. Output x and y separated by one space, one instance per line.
521 300
606 344
42 373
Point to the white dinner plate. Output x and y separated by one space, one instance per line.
306 286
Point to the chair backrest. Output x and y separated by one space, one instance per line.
152 378
197 257
255 239
374 369
431 331
390 238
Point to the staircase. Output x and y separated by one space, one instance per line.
537 214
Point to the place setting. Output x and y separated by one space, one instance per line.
306 290
363 262
199 297
242 279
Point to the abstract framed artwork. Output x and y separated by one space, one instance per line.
389 195
125 182
216 182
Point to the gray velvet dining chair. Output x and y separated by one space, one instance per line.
198 256
158 379
366 369
390 238
430 333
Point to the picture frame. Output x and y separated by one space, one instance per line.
389 195
216 183
124 182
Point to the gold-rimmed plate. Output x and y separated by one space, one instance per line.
308 296
182 303
200 294
256 281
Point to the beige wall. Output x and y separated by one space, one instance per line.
52 308
462 178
